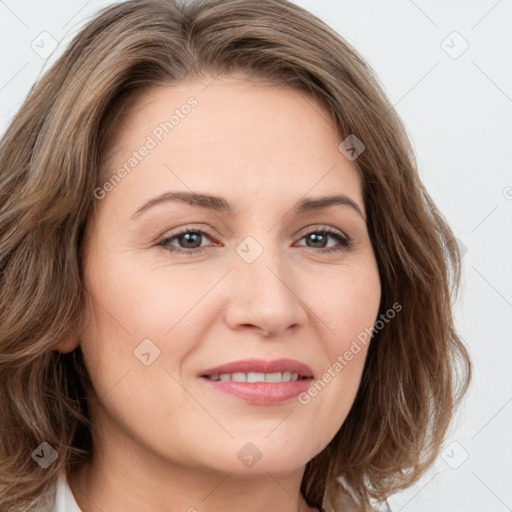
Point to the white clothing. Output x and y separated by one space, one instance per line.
64 499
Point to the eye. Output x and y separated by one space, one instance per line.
320 237
189 241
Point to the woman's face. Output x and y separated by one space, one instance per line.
265 285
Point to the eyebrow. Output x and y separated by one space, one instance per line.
220 205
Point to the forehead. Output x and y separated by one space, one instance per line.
227 134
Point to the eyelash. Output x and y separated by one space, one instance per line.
345 243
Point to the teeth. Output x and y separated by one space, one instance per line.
256 377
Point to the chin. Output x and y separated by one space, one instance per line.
252 456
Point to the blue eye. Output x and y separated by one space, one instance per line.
319 236
190 239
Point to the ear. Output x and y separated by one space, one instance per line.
68 343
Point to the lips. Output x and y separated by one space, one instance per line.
258 381
261 366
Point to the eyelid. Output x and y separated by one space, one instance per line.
345 242
329 229
186 229
312 228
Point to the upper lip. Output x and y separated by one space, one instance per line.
261 366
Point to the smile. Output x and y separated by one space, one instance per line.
256 377
260 382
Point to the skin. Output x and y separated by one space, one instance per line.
165 441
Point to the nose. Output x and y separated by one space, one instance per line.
266 297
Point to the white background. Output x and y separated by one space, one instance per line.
458 112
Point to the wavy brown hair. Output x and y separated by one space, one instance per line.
52 159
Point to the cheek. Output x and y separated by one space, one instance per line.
348 305
138 308
136 391
141 299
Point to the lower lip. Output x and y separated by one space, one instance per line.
261 393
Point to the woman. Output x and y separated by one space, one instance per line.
224 286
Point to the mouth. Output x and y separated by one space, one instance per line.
261 382
260 370
256 377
